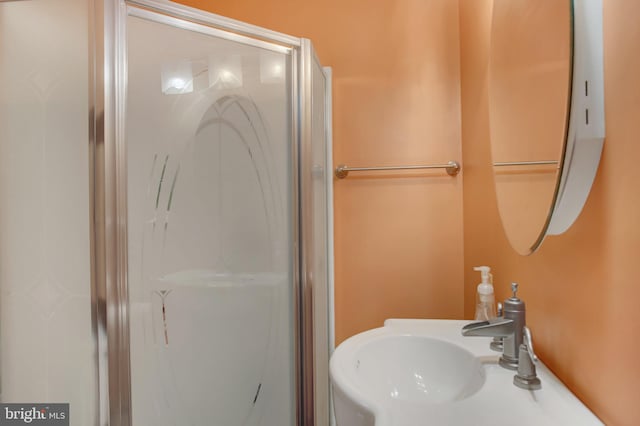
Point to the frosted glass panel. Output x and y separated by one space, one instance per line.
320 267
47 352
208 139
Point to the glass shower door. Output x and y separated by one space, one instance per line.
209 152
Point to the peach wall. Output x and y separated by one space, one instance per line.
398 240
582 288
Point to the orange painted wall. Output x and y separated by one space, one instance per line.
582 288
398 240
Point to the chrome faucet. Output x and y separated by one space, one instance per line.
510 327
497 344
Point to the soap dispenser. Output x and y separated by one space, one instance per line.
485 299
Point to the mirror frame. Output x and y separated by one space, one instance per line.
584 139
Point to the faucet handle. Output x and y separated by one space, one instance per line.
526 378
500 309
528 341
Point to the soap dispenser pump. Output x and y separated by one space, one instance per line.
485 299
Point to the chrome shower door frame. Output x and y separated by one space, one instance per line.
108 167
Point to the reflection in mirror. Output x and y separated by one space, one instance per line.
530 72
536 49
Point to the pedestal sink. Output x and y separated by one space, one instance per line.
423 372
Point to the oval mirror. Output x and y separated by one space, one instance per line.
546 113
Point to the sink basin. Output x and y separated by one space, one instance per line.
424 372
417 368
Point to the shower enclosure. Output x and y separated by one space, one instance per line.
165 261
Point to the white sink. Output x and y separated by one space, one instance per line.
417 368
424 372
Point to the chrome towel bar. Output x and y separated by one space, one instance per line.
452 168
525 163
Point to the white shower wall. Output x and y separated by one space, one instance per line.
47 351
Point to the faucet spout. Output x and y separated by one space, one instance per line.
500 327
509 327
